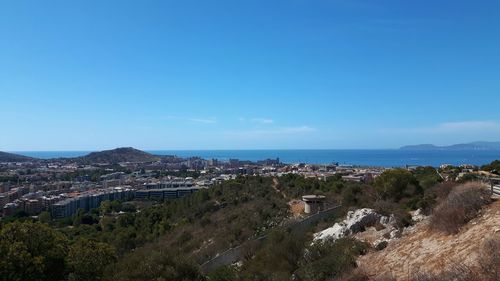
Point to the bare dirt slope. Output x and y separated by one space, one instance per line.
422 250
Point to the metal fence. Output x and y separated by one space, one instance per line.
236 254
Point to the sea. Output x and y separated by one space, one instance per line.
371 157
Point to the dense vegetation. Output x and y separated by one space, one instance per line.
493 167
10 157
165 241
461 205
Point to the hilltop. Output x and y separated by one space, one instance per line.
478 145
11 157
118 155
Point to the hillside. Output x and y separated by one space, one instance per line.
422 250
479 145
11 157
119 155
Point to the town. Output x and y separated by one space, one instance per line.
60 187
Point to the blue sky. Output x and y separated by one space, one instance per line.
260 74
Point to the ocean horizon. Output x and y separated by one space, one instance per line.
358 157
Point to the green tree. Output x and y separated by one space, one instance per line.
277 259
32 251
223 273
154 264
493 167
105 207
396 184
326 260
427 176
87 260
45 217
128 208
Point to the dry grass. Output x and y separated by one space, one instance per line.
357 274
460 206
423 250
489 260
487 269
457 272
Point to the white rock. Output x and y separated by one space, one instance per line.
380 243
418 215
388 221
396 233
335 232
354 222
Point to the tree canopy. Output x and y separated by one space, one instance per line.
32 251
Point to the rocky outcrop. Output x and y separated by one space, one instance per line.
356 221
369 226
418 215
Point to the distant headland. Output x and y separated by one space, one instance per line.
478 145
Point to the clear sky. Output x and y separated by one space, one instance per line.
249 74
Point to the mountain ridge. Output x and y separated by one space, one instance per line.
118 155
478 145
12 157
113 156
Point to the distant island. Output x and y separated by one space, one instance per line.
479 145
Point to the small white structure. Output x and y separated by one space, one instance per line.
313 203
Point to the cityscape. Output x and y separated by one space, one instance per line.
262 140
62 186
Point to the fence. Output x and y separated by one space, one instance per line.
236 254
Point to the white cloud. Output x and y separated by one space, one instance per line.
211 120
469 126
262 120
200 120
462 127
257 120
273 133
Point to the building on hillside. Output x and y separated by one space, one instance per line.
165 193
313 203
88 201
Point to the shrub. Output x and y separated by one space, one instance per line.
32 251
488 266
224 273
357 274
461 205
456 272
277 259
328 259
489 260
387 208
396 184
382 245
427 176
150 263
493 167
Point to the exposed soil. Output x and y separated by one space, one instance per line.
296 208
423 250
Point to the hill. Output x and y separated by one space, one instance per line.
439 249
479 145
11 157
119 155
